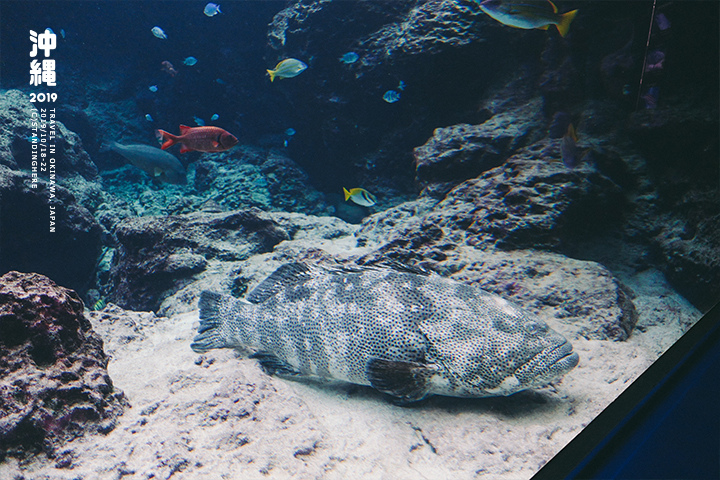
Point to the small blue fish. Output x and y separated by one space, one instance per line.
212 9
190 61
401 86
349 57
220 81
214 117
391 96
62 33
290 132
159 33
153 88
148 117
199 121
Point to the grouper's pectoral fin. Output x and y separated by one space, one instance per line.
408 381
272 365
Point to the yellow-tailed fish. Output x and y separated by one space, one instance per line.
288 68
360 196
528 14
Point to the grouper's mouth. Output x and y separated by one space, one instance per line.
562 357
549 365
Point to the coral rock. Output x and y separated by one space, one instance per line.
529 202
160 255
16 113
459 152
55 384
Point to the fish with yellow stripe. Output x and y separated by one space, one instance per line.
528 14
360 196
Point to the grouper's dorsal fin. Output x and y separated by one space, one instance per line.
384 264
404 267
285 275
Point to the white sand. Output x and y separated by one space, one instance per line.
218 416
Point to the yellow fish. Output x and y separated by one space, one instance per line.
288 68
360 196
528 14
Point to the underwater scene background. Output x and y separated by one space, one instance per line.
569 165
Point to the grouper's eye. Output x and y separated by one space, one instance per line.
534 328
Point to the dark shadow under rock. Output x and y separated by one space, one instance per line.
689 252
45 230
55 384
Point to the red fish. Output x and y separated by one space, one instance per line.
201 139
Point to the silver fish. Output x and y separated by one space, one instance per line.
408 334
159 33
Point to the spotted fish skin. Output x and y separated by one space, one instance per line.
404 333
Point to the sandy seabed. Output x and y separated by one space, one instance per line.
218 416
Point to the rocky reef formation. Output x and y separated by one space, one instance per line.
55 384
407 25
159 255
582 295
362 136
477 131
459 152
681 210
17 115
529 202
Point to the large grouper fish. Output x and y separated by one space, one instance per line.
407 333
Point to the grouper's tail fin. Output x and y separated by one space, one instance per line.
210 335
